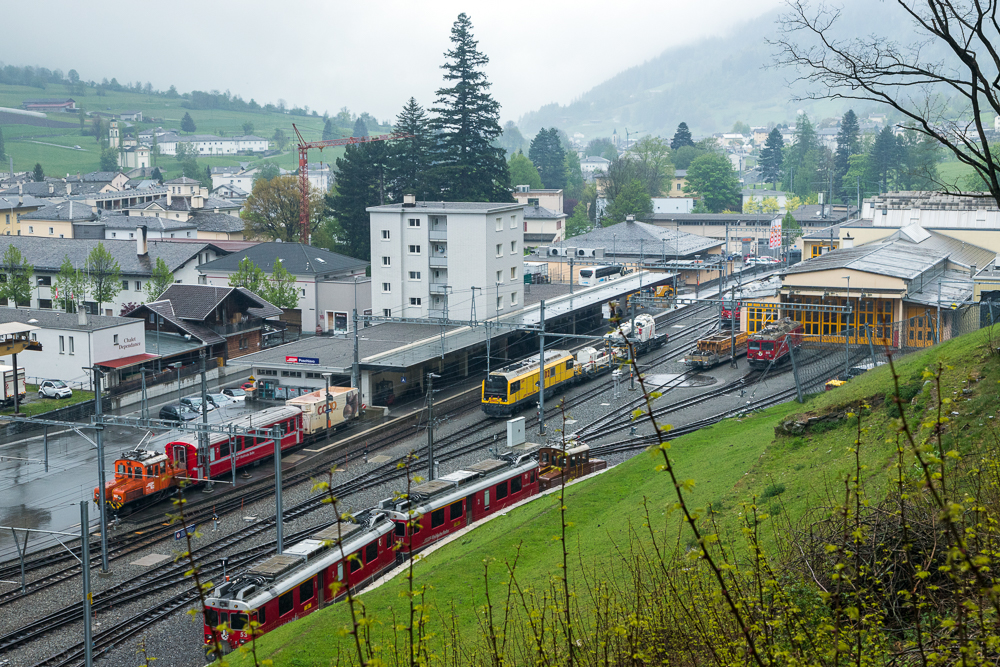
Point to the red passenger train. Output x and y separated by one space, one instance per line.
771 344
316 571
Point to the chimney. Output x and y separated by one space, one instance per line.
142 247
81 315
847 241
169 198
409 201
52 188
20 188
69 188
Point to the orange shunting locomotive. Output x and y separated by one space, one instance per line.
139 475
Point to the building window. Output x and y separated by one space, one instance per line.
513 222
499 224
125 285
386 312
44 281
114 339
414 222
414 275
138 286
499 303
31 229
51 231
525 225
114 235
386 261
513 273
499 250
513 298
558 224
386 287
45 304
513 247
414 250
62 345
414 300
499 276
71 350
244 343
301 291
385 234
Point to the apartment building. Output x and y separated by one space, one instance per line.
437 259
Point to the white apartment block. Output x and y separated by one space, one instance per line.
427 257
209 144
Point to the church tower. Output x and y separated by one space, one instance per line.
113 139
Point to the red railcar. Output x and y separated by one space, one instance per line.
445 505
771 345
307 576
183 452
727 313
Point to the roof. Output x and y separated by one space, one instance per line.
448 207
100 176
542 213
196 302
680 173
297 259
762 218
539 237
936 201
57 319
17 202
67 210
152 223
750 192
633 238
183 180
226 246
124 362
596 158
811 214
210 221
48 254
165 310
898 259
37 188
49 100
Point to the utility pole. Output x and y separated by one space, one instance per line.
430 424
17 386
937 327
541 367
278 513
847 330
88 640
99 441
145 404
326 378
571 274
203 437
355 364
732 329
631 352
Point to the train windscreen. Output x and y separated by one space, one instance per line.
755 345
496 387
767 346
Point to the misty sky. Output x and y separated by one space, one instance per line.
369 56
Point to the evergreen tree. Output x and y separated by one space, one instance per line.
801 159
885 158
157 175
187 123
682 137
712 177
361 182
574 176
16 287
579 222
247 128
470 167
360 129
38 175
919 155
524 172
771 158
327 130
548 156
511 140
848 144
410 159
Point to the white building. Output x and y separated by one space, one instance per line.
209 144
594 163
428 256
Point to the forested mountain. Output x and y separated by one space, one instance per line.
710 84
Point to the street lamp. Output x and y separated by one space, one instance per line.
847 333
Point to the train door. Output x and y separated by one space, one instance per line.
180 457
486 500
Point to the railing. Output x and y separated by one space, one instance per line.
226 329
438 235
163 377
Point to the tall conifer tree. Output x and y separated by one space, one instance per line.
771 157
682 137
470 167
410 159
547 154
848 144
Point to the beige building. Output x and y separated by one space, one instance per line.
55 221
550 199
12 207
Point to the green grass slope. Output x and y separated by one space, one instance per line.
731 464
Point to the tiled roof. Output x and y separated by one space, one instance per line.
297 259
48 254
196 302
8 202
67 210
152 223
209 221
633 238
56 319
166 310
542 213
183 180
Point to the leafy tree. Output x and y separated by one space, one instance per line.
579 222
739 127
770 205
109 158
652 159
3 154
38 175
17 272
361 178
771 158
360 129
247 128
104 274
523 172
69 287
599 147
712 177
127 308
160 280
633 199
751 206
249 276
410 159
470 167
330 235
73 76
548 156
172 92
267 172
574 175
920 157
511 140
280 138
848 144
271 211
187 123
682 137
280 288
328 131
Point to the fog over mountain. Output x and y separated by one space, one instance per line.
711 84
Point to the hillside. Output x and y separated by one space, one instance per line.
710 85
730 465
52 141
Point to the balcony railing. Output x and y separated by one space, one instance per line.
438 261
229 329
438 235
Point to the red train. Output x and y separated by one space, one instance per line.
727 314
303 578
771 344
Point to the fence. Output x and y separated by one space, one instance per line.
153 379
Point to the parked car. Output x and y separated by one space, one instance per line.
238 395
178 413
54 389
194 402
220 400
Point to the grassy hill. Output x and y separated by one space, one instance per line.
54 147
730 465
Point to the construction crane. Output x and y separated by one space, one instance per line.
304 147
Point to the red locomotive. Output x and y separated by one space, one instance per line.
316 571
771 344
727 314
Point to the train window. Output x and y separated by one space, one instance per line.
306 590
371 552
261 616
340 571
437 518
755 345
501 490
456 511
211 618
545 458
515 484
121 468
767 345
515 387
388 541
569 364
238 621
356 562
224 449
285 603
239 444
532 476
224 618
400 529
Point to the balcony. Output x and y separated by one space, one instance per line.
439 288
438 261
438 234
229 329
